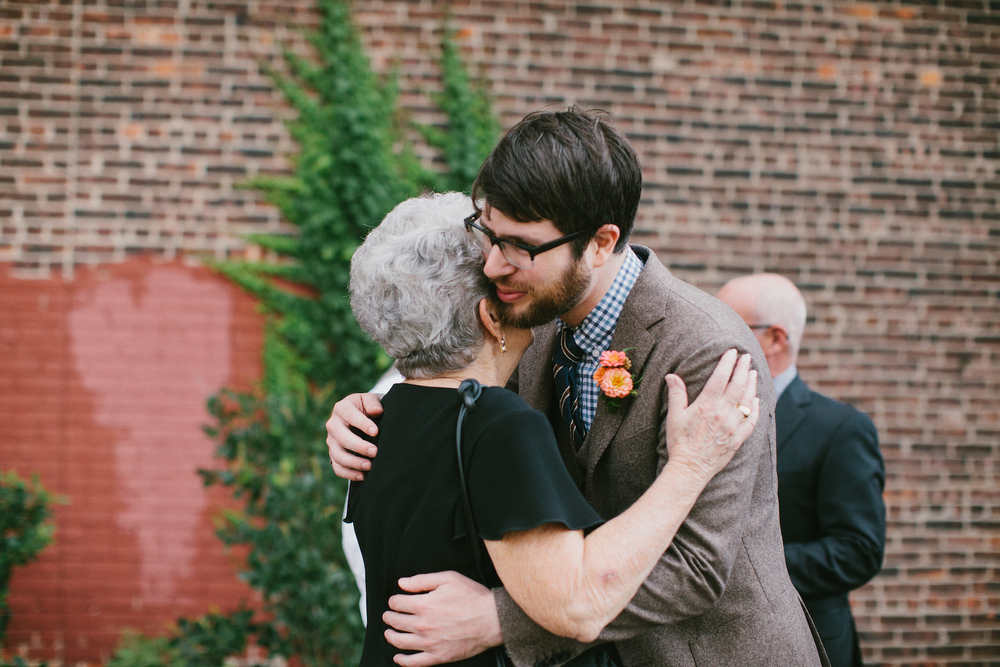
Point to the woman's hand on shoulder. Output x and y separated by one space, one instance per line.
706 434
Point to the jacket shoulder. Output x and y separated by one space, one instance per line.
668 304
839 410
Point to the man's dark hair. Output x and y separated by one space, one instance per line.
571 167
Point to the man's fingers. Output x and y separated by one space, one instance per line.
403 604
421 583
371 405
415 660
355 410
406 641
453 615
339 431
349 475
348 450
401 624
347 465
345 452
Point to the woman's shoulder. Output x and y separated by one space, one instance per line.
504 414
499 398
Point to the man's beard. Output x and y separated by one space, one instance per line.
546 304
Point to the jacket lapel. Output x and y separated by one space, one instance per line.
632 336
642 309
791 410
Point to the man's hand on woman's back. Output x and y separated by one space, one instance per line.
349 452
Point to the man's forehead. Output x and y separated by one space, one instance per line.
536 231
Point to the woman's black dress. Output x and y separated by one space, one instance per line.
408 512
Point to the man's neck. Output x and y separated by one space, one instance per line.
783 379
602 279
778 363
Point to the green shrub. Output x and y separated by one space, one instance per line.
25 530
203 642
18 661
137 650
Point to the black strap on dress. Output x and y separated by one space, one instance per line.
470 390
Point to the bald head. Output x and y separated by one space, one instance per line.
771 299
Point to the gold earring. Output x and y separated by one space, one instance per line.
503 345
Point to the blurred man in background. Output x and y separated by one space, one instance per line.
830 470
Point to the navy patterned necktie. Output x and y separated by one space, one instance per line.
564 360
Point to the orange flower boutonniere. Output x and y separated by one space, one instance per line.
614 378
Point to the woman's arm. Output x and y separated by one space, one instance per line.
574 585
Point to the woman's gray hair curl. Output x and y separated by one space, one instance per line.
416 283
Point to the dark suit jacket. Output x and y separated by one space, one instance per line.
720 595
830 482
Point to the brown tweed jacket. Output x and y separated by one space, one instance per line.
720 595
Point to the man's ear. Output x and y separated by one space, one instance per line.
777 336
490 319
604 243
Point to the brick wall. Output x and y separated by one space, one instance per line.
854 147
103 382
126 126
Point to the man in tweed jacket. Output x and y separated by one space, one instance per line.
561 191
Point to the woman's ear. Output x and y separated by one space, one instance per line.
490 319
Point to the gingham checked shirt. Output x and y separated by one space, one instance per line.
594 333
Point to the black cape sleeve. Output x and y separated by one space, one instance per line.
516 476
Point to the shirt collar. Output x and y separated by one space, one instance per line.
595 331
784 379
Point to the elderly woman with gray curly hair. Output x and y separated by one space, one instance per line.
417 287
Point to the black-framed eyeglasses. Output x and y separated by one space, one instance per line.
760 326
517 254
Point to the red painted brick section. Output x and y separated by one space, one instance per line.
105 382
853 146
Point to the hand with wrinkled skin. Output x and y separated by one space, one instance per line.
705 435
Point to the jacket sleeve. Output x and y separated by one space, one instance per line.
850 512
692 574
